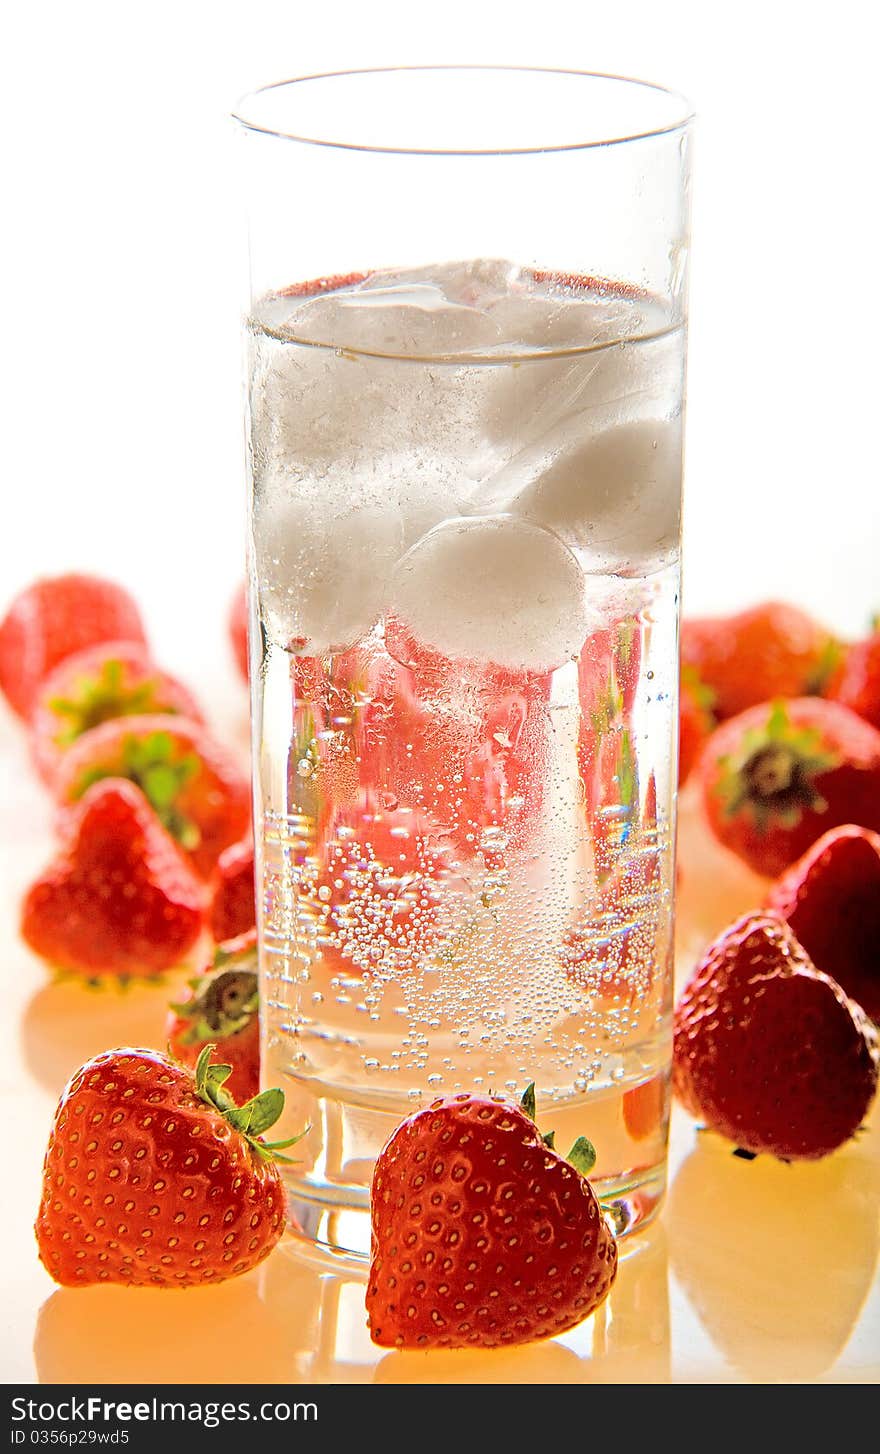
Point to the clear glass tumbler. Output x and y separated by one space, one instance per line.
466 350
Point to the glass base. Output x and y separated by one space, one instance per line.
336 1234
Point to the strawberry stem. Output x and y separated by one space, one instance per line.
582 1155
774 770
251 1119
97 699
151 764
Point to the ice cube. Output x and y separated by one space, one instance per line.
314 409
476 283
323 572
621 367
405 321
494 589
615 493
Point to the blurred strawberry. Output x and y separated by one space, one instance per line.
695 721
113 679
772 650
778 776
234 910
193 784
51 620
856 682
120 898
831 900
238 630
222 1008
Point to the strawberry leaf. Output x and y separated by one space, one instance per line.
265 1110
582 1156
256 1115
528 1101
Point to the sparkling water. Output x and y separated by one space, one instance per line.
466 521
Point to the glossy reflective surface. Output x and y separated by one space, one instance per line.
754 1271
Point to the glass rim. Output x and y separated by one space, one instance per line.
682 120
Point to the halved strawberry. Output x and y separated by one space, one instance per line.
110 680
192 782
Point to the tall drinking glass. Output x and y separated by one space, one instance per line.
466 347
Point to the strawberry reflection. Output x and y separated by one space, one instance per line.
230 1333
67 1022
625 1340
776 1259
300 1317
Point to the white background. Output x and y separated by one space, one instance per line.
122 274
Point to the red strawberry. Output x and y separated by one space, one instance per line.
238 630
120 898
831 900
154 1177
768 1051
771 650
51 620
481 1234
234 909
778 776
193 783
695 721
856 684
222 1008
113 679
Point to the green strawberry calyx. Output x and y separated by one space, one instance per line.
774 771
251 1119
582 1155
223 1002
151 764
92 700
